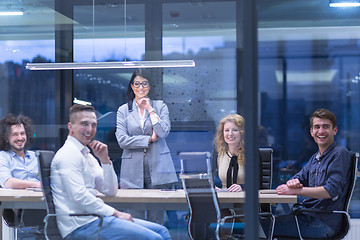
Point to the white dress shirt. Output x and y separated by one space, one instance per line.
75 177
153 117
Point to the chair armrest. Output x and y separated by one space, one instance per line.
73 214
319 211
223 219
316 211
84 214
299 207
222 224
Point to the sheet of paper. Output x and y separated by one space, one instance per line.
269 191
34 189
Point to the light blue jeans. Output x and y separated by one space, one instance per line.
114 228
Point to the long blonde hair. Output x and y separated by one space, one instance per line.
221 146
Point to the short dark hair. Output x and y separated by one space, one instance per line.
79 108
5 129
324 114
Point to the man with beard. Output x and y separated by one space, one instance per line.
18 166
19 170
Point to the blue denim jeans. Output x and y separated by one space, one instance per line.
310 226
114 228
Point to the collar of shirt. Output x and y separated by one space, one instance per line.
325 153
229 154
13 154
78 144
85 151
138 108
141 116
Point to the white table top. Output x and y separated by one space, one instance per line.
148 196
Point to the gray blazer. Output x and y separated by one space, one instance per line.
133 139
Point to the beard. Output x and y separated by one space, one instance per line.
16 148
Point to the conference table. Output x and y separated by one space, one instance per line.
137 199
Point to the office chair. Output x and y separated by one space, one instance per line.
51 229
266 173
28 222
345 226
205 221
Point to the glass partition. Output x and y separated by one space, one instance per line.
26 38
308 59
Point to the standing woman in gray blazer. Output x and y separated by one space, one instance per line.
141 128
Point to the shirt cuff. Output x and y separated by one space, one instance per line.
107 167
108 211
332 194
154 118
3 181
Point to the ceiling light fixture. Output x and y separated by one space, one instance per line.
11 13
344 3
110 65
81 102
107 65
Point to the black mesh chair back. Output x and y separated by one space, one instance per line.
345 226
266 173
201 196
44 160
354 170
266 167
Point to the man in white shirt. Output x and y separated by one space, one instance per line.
75 177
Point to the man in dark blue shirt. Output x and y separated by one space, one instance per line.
323 183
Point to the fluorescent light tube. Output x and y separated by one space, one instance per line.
107 65
11 13
344 3
77 101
